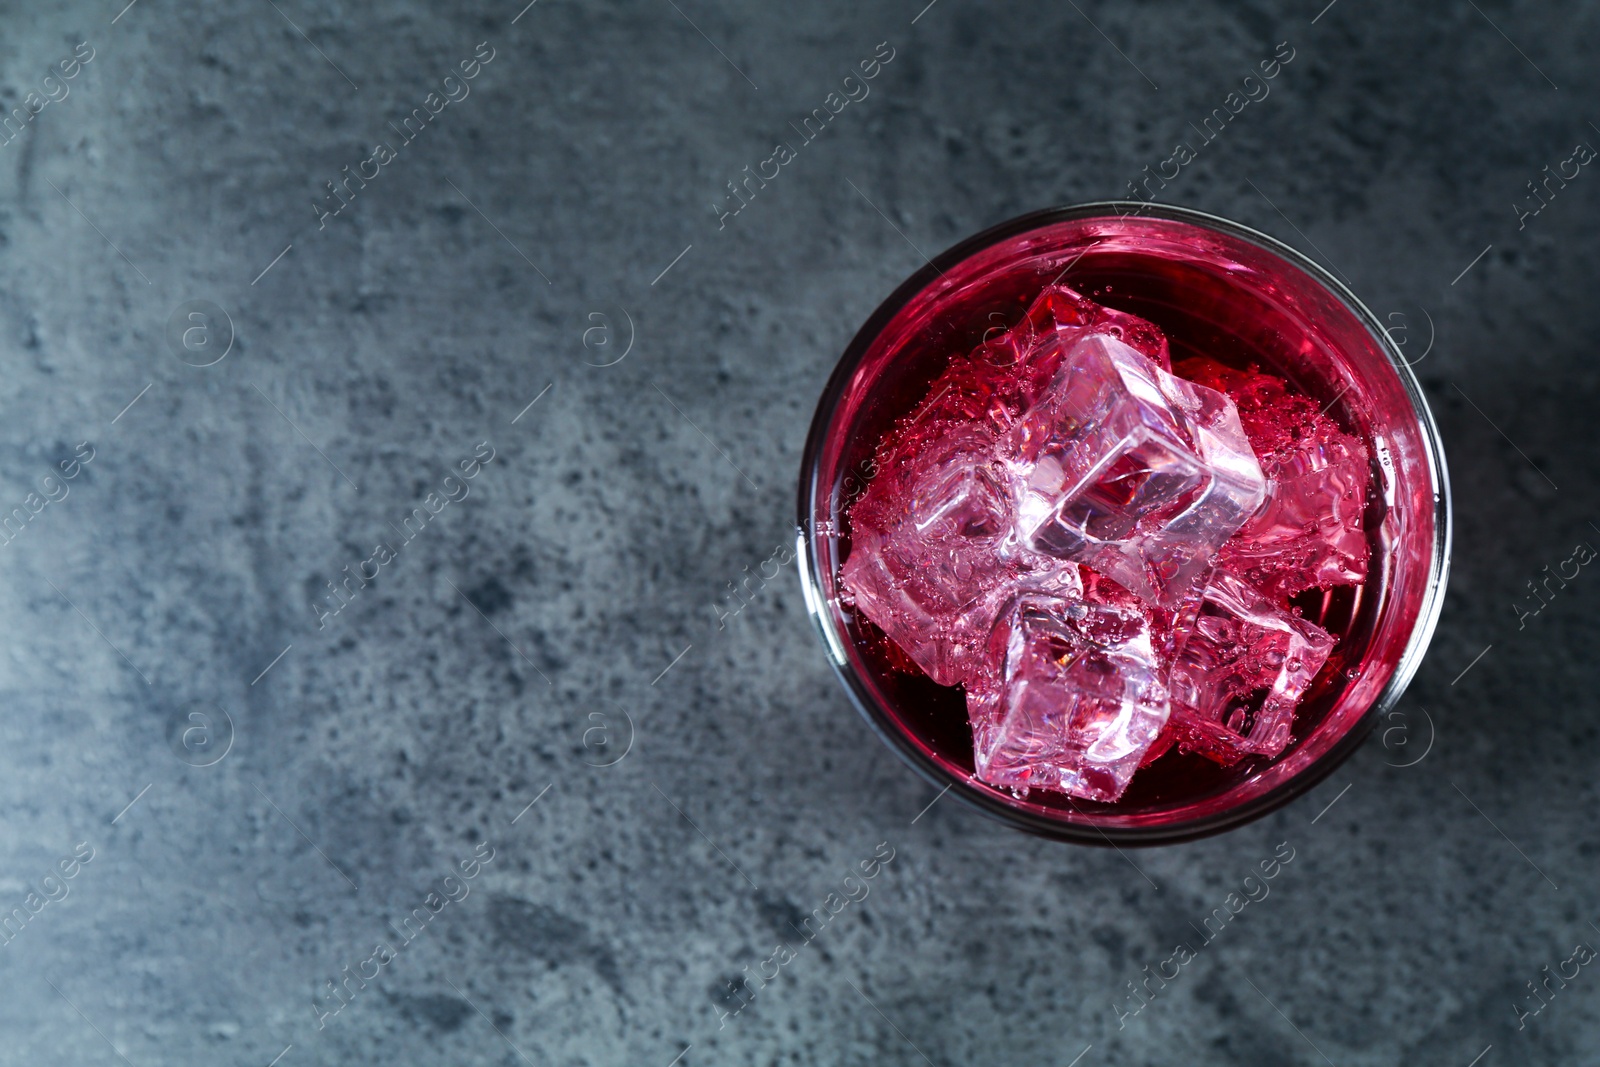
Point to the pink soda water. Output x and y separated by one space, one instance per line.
995 498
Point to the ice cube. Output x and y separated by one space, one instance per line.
1006 373
1037 573
1130 470
925 561
1242 669
1064 315
1309 534
1073 698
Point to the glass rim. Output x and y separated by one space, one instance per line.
1090 832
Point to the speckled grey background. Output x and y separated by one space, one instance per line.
499 260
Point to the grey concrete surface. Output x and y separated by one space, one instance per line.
342 766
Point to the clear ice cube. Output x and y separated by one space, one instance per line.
1078 699
1132 471
1244 665
1061 315
1309 533
924 558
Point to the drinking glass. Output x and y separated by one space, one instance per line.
1216 289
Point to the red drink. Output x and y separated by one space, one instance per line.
1215 290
